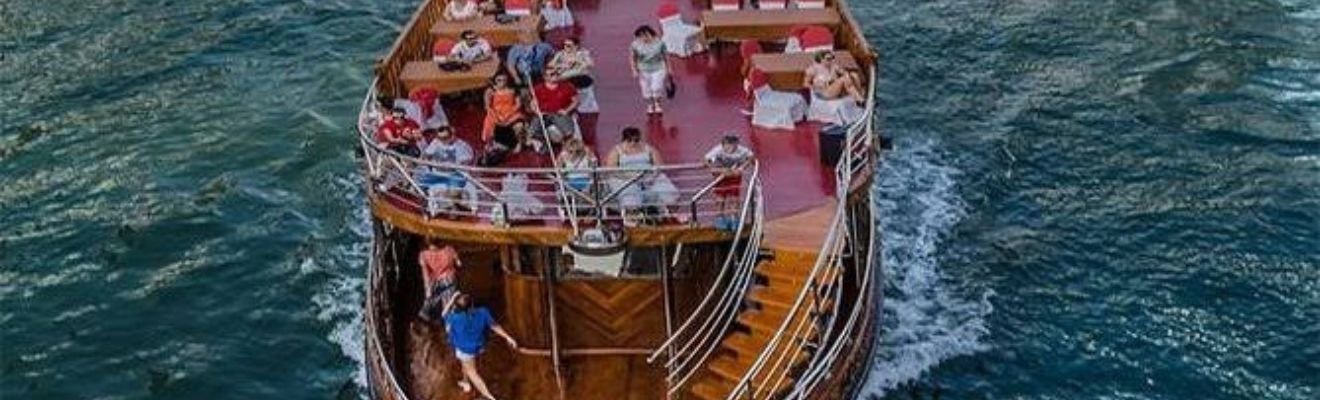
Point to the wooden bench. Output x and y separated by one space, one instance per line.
764 24
525 30
417 74
786 71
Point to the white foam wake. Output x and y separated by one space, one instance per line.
340 301
926 318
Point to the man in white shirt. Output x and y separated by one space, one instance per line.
471 48
445 186
727 161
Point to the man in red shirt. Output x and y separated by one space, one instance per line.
556 102
440 276
398 133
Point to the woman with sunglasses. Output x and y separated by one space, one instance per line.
503 107
829 81
573 63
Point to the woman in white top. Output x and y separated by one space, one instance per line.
573 63
828 80
461 10
653 189
577 162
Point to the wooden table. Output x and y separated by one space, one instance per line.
525 30
786 70
418 74
764 24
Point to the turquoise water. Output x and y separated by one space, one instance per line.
1087 199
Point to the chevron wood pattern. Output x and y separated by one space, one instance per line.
624 313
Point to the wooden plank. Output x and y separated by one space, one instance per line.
786 70
418 74
764 24
525 30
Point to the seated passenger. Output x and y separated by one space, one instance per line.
503 107
444 185
471 48
398 133
557 15
423 107
828 80
573 63
527 59
644 191
461 10
513 140
577 162
556 102
727 161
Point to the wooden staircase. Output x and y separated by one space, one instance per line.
782 279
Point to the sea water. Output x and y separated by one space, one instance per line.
1086 199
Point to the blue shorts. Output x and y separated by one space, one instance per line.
579 183
442 180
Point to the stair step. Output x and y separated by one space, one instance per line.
729 367
744 345
762 321
712 388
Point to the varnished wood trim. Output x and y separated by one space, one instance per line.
532 235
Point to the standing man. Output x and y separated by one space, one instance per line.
466 325
440 276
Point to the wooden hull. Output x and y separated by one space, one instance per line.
590 338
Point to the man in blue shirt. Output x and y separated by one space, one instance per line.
466 326
528 59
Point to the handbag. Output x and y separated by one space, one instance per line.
671 88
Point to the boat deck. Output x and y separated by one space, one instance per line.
709 97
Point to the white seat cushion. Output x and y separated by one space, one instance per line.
777 110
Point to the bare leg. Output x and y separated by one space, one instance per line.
470 372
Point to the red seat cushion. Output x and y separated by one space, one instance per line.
442 47
666 9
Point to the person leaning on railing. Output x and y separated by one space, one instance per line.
644 192
577 161
727 161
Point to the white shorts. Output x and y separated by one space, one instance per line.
652 83
464 356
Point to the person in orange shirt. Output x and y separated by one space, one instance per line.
503 107
440 276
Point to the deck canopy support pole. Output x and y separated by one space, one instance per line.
548 272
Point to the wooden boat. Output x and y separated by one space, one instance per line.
782 305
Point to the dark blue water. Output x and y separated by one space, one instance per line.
1088 199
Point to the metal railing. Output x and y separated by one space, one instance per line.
809 326
688 346
666 194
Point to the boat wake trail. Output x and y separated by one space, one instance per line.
339 302
926 318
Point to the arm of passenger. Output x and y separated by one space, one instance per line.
499 330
